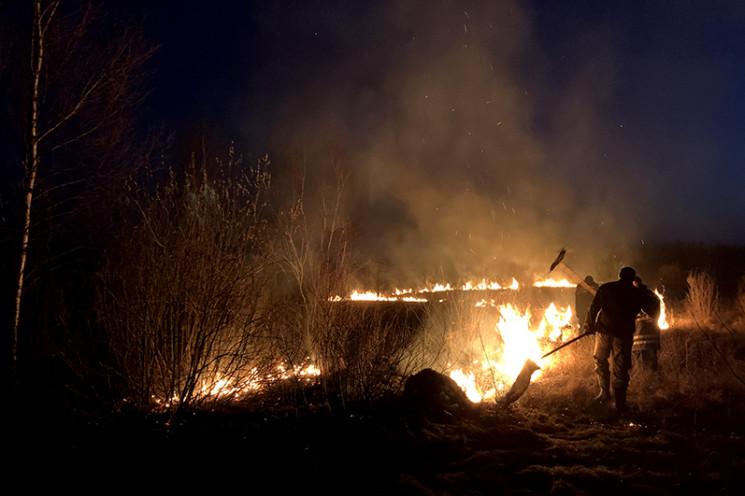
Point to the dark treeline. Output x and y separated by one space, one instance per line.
669 264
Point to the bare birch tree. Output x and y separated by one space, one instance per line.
31 162
73 95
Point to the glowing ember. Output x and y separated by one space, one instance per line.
221 387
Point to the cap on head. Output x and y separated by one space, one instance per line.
627 274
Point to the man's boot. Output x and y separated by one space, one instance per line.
604 395
619 394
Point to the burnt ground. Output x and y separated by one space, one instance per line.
567 448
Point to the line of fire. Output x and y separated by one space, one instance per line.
523 324
508 323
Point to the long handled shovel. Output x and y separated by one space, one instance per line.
523 378
559 262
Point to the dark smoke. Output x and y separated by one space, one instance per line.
483 136
451 179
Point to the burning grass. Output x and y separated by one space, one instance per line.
483 346
229 318
347 429
683 434
334 353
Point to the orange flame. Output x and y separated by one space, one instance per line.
222 387
519 341
662 321
553 283
410 294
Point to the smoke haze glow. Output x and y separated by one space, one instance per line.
481 137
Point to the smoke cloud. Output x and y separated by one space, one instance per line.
473 148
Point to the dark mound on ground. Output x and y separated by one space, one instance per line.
435 396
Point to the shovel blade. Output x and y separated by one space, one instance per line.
521 384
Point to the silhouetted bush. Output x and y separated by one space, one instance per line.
184 296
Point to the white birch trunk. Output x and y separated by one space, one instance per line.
31 166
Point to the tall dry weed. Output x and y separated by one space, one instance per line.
701 373
702 298
455 336
699 377
740 303
357 348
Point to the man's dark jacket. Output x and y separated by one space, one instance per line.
614 309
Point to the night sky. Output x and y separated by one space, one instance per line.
481 130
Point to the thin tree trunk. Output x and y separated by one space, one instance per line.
31 164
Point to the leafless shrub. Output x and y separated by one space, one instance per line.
693 380
700 370
740 301
184 298
357 349
702 299
362 352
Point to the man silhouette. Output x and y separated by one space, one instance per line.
612 317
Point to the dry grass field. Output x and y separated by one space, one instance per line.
684 431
